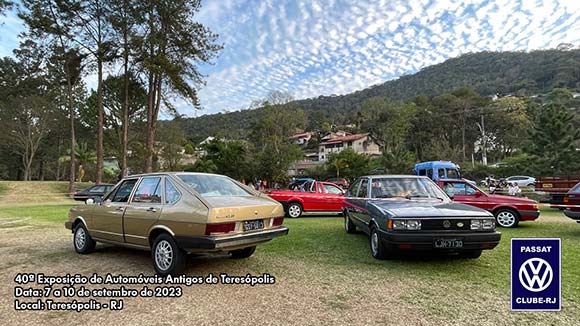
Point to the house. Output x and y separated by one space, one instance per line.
360 143
301 139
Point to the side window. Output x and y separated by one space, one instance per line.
363 191
422 172
172 195
149 191
353 190
441 173
430 173
453 188
124 191
469 190
330 189
97 189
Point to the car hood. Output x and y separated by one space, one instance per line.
511 199
415 208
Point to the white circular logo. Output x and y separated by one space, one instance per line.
536 274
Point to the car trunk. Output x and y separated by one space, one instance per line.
242 214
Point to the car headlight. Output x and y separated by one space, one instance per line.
411 225
486 224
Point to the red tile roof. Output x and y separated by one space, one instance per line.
344 138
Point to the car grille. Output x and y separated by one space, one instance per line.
440 224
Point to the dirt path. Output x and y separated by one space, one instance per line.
302 295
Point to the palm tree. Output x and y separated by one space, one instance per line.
84 155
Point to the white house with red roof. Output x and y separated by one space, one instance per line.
360 143
301 139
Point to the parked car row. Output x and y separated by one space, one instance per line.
173 214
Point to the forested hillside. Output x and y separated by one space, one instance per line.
486 72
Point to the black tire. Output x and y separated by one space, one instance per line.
82 240
167 257
378 250
471 254
349 227
294 210
243 253
507 218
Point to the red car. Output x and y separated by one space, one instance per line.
312 196
508 211
573 198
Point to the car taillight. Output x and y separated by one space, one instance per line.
566 200
219 228
277 221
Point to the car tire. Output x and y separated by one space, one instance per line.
168 258
378 251
507 218
349 227
471 254
82 241
243 253
294 210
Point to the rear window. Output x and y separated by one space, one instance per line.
213 185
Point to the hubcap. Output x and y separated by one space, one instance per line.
294 211
374 243
163 255
80 238
506 219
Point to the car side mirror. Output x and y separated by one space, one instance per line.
478 194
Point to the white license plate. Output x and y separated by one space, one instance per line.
447 243
253 225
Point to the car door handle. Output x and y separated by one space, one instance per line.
152 209
120 209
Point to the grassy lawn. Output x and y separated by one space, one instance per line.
448 289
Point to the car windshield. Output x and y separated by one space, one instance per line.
452 174
213 185
576 188
405 187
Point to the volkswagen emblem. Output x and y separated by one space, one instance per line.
460 225
536 274
446 224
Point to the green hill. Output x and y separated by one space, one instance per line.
488 73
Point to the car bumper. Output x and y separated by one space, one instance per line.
424 241
529 215
575 215
223 242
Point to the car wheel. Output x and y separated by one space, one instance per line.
243 253
471 254
294 210
349 227
82 241
168 258
378 251
507 218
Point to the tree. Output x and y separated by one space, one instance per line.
271 138
47 29
228 157
172 47
348 164
171 137
552 141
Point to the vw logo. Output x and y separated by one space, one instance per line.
446 224
459 225
536 274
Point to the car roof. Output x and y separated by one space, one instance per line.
429 164
170 173
394 176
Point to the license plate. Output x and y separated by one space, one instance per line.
448 243
253 225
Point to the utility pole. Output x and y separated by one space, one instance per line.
483 140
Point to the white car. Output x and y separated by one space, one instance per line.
522 180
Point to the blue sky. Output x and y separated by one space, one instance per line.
325 47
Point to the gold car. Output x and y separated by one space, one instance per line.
173 214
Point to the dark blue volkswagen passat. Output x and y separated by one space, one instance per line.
401 212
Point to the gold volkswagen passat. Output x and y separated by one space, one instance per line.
173 214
